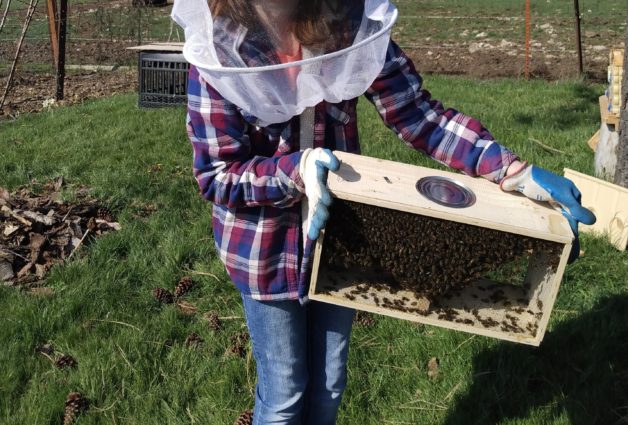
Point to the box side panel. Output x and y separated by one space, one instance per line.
544 284
609 202
162 79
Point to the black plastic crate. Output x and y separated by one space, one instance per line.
163 79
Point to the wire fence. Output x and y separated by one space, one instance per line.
481 38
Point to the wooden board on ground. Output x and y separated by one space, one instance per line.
594 141
609 202
517 311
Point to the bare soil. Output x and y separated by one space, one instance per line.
31 90
459 50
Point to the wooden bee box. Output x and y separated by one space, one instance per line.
608 202
485 304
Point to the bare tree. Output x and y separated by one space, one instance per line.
29 16
4 15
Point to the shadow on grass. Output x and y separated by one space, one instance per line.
580 371
565 115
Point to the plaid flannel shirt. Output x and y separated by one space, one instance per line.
249 172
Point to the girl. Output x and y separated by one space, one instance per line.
273 89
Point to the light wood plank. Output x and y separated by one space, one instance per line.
605 115
158 47
609 202
594 141
393 185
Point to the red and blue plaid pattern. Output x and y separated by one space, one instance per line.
249 172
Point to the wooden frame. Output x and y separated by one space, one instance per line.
615 73
606 116
594 141
391 185
175 47
609 202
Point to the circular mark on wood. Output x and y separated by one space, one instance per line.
445 191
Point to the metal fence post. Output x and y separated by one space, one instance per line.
579 36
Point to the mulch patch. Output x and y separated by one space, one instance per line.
39 229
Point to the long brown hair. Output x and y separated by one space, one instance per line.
311 29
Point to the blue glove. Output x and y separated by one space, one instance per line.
313 168
542 185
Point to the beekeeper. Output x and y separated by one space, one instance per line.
273 89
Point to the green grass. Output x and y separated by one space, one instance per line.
102 312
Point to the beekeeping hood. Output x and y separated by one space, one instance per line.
239 52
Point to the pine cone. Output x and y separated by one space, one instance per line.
364 318
65 361
75 404
193 340
105 213
163 295
238 344
214 321
184 285
91 224
245 418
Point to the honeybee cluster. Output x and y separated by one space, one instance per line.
424 255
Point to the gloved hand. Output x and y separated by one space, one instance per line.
542 185
313 168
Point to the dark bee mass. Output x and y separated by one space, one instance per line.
426 256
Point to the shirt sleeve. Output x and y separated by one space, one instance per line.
451 138
226 170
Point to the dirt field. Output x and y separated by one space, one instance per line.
438 41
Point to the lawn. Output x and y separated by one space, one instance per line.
102 311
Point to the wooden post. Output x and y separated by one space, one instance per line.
578 36
139 26
53 29
63 17
527 60
621 171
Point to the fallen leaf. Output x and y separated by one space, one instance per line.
6 270
10 229
25 270
38 217
8 211
4 196
40 270
58 183
433 368
46 349
187 308
36 240
41 291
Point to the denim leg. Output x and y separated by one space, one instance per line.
329 328
279 336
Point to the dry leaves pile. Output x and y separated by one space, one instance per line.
40 230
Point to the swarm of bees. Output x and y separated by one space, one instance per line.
428 258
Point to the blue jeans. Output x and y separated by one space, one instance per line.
301 356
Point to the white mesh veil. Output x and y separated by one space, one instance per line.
240 60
